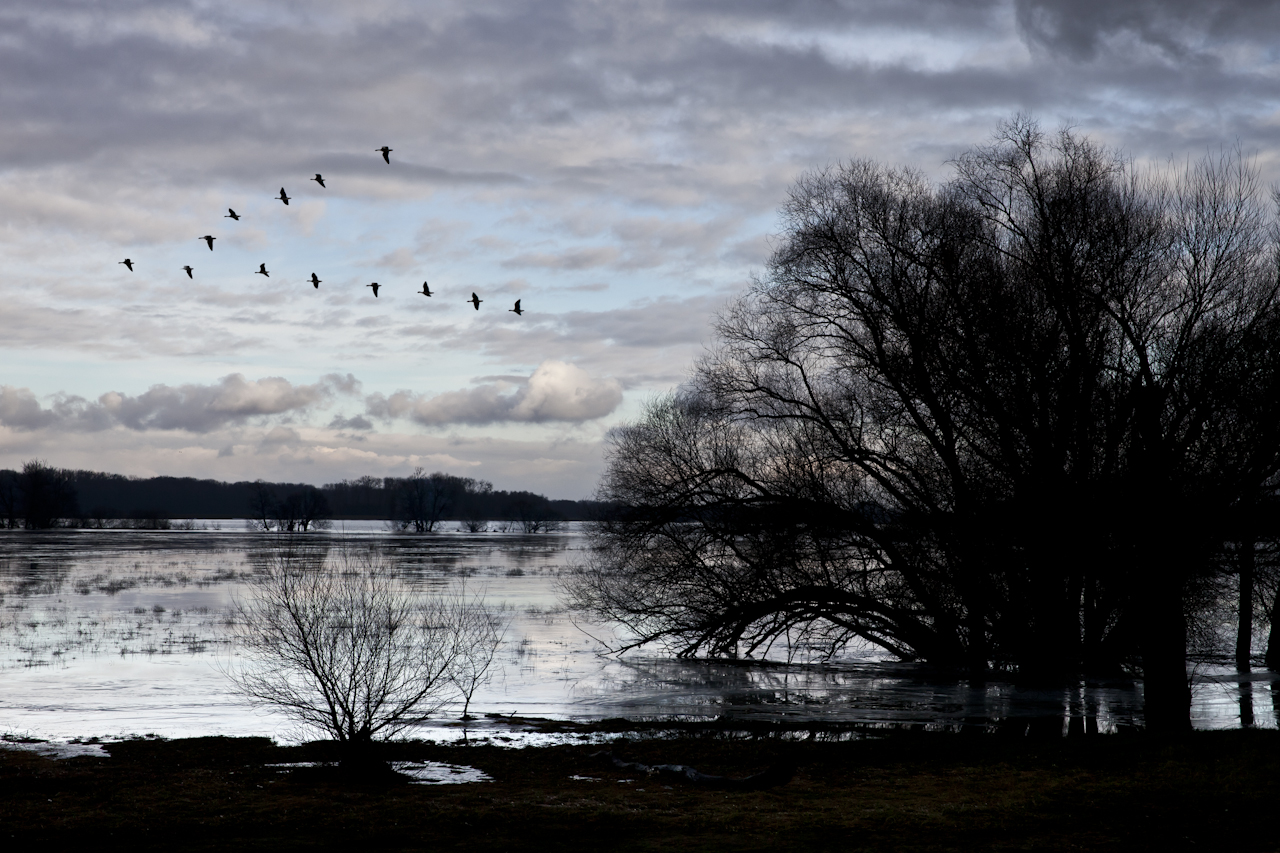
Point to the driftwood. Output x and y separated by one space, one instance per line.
774 776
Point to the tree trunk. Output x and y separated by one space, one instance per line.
1272 659
1244 621
1166 692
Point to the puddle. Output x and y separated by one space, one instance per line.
422 772
436 773
55 749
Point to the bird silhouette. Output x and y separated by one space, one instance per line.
426 291
517 310
128 263
319 180
188 269
316 281
284 198
262 270
474 300
375 287
386 153
231 214
208 238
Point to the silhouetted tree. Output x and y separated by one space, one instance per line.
46 495
423 500
344 647
534 513
1002 422
477 506
9 498
313 509
262 506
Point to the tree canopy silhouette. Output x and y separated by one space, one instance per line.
1003 422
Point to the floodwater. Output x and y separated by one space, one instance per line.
113 633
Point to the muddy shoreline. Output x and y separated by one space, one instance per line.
899 790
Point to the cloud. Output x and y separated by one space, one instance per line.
577 259
358 422
1178 30
556 391
190 407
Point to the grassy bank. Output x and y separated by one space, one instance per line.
1207 791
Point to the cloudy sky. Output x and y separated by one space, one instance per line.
616 166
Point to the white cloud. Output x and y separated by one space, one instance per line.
557 391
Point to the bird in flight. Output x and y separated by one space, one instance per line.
386 153
426 291
517 310
188 269
284 198
262 270
315 282
128 263
319 180
231 214
208 238
474 300
375 287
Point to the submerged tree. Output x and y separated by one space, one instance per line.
344 647
423 500
1004 422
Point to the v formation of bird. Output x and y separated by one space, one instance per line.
314 280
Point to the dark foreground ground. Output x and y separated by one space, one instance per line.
923 791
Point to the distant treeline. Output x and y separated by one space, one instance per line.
42 496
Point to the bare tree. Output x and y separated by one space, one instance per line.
998 423
535 514
480 632
344 647
262 506
423 499
341 645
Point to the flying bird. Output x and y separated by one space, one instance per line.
386 153
188 269
375 287
426 291
315 282
517 310
284 198
208 238
231 214
128 263
319 180
474 300
262 270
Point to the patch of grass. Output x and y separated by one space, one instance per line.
904 791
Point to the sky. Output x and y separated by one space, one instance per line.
615 166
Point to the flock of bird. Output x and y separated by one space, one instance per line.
314 280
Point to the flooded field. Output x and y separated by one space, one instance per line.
108 633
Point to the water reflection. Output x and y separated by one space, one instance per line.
113 632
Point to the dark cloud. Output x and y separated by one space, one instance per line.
358 422
625 160
1180 30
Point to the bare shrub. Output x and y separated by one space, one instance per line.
344 647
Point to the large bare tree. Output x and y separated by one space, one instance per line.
1002 422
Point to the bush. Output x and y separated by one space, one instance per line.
344 647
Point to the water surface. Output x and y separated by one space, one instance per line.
109 633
